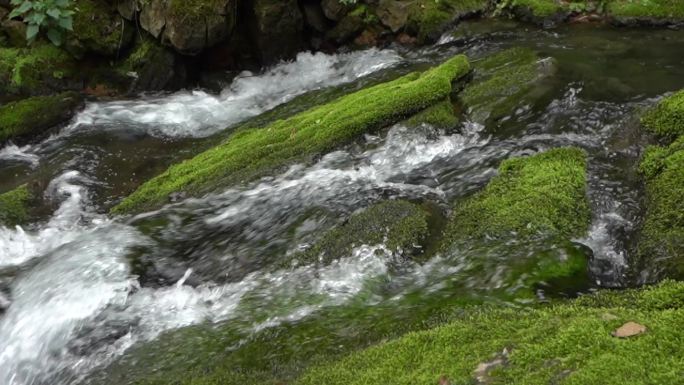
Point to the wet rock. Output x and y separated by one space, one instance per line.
189 26
394 14
630 329
347 28
151 67
38 70
276 27
33 116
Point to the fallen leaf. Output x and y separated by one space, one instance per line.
630 329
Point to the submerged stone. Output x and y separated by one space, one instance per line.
501 80
250 153
33 116
400 226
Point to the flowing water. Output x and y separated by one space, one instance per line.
80 290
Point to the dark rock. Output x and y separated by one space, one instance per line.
190 26
334 9
15 31
127 8
276 27
151 67
3 13
348 28
314 17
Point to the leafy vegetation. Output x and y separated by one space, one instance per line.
54 17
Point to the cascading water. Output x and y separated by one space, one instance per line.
80 288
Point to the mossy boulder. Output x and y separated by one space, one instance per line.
569 343
250 153
40 69
501 80
667 117
544 194
14 206
428 19
99 29
542 12
33 116
401 226
652 12
661 241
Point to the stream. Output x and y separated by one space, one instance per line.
80 290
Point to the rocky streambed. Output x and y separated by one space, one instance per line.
454 198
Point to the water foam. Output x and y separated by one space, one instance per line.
199 114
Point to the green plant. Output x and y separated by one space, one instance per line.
52 16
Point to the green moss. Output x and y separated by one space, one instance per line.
14 206
36 114
441 115
647 9
667 117
567 343
33 70
399 225
252 152
501 80
99 28
661 242
428 18
194 10
540 8
544 193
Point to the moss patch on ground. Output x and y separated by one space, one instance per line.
253 152
566 343
540 194
14 206
501 80
32 116
399 225
34 70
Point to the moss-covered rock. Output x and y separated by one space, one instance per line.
441 115
652 12
667 117
401 226
568 343
540 194
149 66
252 152
41 69
501 80
98 28
428 19
276 28
661 241
14 206
35 115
